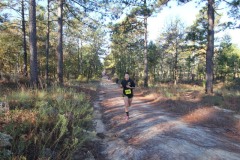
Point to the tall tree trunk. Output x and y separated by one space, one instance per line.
145 77
60 40
210 48
81 60
235 68
79 67
25 73
154 73
33 43
47 44
175 72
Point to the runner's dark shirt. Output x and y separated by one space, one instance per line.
129 82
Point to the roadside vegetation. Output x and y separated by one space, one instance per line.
45 123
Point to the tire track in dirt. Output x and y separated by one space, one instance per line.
152 133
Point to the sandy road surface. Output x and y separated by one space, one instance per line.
152 133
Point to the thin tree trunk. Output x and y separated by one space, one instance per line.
210 48
33 43
154 75
78 51
81 60
25 73
47 45
235 68
175 65
60 40
145 78
88 75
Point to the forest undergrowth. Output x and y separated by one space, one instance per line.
48 123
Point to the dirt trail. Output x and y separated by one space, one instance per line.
152 133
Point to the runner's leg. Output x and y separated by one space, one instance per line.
130 101
126 106
126 103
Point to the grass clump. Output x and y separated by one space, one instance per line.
213 100
46 124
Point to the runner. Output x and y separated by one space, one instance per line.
128 85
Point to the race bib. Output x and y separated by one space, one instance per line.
128 91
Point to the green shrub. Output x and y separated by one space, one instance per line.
82 78
140 82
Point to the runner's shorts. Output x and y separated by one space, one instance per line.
129 95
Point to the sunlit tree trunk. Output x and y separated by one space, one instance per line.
145 77
210 48
60 40
33 43
25 72
175 68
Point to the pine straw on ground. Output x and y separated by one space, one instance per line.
195 109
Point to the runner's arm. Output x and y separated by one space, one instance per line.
132 85
123 85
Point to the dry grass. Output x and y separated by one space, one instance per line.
19 116
40 120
